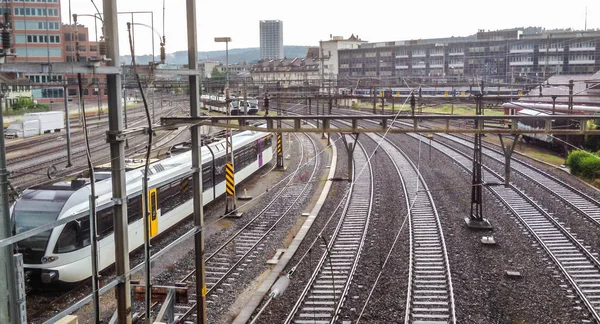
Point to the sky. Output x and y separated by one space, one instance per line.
306 22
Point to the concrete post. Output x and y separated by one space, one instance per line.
196 162
117 155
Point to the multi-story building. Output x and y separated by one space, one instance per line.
207 67
515 55
328 53
271 40
37 37
289 72
78 46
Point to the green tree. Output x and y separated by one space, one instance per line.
23 103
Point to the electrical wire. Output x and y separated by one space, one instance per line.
98 11
145 195
93 216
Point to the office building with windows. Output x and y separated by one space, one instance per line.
80 46
271 40
37 37
517 55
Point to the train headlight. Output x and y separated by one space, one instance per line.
49 259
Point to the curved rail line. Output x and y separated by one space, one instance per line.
584 204
238 252
324 295
430 297
576 263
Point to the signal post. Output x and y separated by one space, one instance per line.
280 165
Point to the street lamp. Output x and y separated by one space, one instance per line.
225 40
229 162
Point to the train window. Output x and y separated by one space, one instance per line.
206 177
134 209
37 208
74 236
104 219
187 192
153 204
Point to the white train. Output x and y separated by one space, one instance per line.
237 106
62 255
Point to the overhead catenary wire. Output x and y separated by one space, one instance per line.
93 216
145 195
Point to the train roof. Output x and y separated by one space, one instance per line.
530 112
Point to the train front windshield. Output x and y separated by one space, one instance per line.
34 209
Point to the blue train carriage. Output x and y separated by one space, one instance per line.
62 255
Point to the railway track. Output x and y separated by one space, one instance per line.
581 202
23 179
575 262
96 135
239 251
430 297
135 114
324 294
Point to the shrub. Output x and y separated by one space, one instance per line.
589 165
574 160
592 142
23 103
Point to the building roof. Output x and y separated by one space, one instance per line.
313 52
286 65
586 89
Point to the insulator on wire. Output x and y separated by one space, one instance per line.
7 20
102 48
6 40
163 53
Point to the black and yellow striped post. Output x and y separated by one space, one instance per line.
280 165
229 188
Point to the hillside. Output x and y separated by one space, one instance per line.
236 55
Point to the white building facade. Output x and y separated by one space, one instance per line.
271 40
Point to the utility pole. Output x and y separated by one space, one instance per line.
280 164
229 163
125 113
117 154
67 125
547 57
192 34
475 219
8 289
571 96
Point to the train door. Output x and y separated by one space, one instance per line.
153 211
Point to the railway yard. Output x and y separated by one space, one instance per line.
157 167
389 246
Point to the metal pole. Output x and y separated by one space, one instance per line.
97 83
68 128
125 112
117 155
8 288
201 290
94 254
153 119
227 63
570 96
280 164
